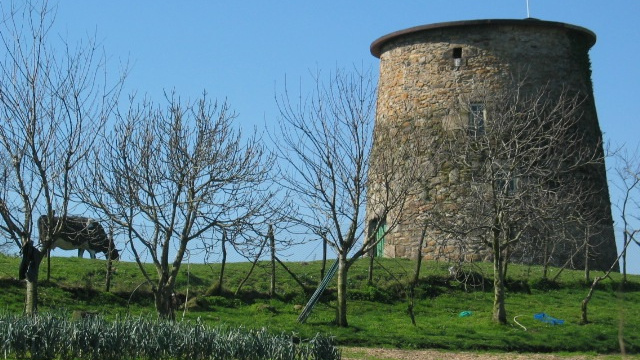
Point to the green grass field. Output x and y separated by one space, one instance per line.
377 313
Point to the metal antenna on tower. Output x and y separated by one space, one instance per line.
528 15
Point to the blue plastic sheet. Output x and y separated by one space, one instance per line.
548 319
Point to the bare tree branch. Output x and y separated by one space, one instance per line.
171 177
53 104
324 144
526 171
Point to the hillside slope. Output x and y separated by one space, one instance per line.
377 313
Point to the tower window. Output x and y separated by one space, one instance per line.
457 56
476 119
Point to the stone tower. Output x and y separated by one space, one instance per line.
426 71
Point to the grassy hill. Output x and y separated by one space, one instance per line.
377 313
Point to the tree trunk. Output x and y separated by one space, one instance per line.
216 288
507 253
587 276
31 300
415 279
341 309
163 296
584 319
499 311
416 271
585 302
29 270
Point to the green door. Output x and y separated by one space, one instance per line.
382 230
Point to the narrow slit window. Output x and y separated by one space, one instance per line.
457 56
476 119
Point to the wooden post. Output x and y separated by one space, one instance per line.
372 255
324 256
108 280
48 250
253 265
224 261
272 243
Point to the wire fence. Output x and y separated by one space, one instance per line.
301 251
304 250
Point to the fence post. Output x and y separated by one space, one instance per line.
272 244
324 255
108 280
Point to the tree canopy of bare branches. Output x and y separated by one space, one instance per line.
627 181
174 178
53 101
324 146
526 170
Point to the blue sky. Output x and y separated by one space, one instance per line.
241 51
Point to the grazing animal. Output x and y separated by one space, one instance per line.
77 232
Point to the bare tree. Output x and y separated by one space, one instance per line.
53 101
628 182
522 160
178 176
324 143
584 319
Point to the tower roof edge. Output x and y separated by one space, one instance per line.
376 47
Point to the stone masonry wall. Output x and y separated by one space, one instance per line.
420 88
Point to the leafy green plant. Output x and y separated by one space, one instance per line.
50 336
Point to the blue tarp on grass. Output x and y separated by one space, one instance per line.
548 319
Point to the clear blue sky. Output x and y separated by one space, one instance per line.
242 50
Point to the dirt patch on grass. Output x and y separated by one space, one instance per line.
351 353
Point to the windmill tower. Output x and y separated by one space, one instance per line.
426 69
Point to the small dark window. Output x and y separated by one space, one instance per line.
457 57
